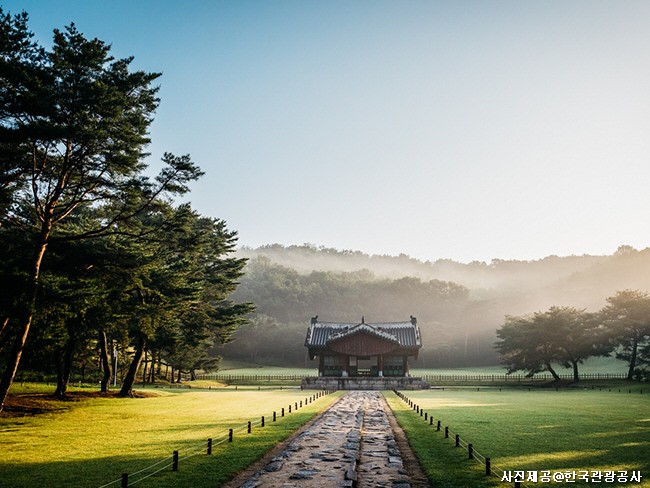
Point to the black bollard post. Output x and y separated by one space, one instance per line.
470 451
230 435
125 480
175 461
488 467
209 447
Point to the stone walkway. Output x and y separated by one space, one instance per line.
350 444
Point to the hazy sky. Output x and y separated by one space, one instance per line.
468 130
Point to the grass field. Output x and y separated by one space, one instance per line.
90 442
541 429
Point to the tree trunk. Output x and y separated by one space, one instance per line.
64 369
106 361
64 363
5 322
630 371
152 368
28 305
5 333
129 379
144 372
550 369
576 376
179 375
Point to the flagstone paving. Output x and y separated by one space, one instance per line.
350 444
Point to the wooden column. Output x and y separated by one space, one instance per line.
380 366
321 365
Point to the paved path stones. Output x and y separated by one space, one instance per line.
350 444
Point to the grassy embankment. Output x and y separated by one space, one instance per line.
542 429
91 441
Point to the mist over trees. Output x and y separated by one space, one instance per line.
460 306
561 335
286 299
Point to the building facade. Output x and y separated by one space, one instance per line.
363 349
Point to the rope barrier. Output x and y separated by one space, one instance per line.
150 474
462 443
200 448
111 483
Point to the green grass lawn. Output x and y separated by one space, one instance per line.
541 429
90 442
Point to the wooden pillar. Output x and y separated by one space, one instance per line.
321 365
380 366
346 366
405 359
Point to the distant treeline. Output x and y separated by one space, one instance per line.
459 306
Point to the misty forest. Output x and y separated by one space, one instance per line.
99 263
460 307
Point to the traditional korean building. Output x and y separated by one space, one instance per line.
363 349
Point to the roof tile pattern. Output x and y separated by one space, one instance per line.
406 333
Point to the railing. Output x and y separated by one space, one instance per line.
490 469
515 378
172 462
252 377
431 378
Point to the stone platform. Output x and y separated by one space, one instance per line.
364 383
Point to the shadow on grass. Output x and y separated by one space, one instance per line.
196 468
444 465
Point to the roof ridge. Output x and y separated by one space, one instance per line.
353 324
363 325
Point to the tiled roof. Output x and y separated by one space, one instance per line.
407 334
359 328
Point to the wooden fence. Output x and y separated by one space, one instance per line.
430 378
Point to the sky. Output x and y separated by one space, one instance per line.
464 130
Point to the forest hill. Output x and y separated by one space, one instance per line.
458 319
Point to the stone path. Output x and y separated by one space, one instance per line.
350 444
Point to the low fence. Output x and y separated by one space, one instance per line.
430 378
172 462
515 378
472 453
251 377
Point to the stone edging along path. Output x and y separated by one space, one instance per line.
354 443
